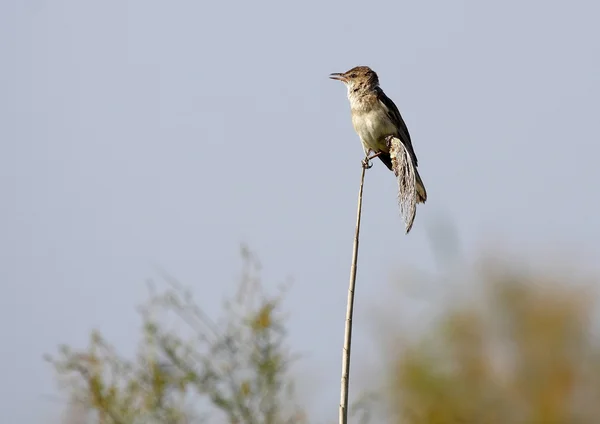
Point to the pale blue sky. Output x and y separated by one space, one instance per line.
167 132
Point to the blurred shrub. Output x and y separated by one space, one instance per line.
523 353
195 370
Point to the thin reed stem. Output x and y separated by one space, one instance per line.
343 413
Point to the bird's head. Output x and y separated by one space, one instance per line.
357 79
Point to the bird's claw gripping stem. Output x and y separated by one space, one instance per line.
366 162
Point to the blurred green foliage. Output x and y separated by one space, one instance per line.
196 370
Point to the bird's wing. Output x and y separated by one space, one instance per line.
394 115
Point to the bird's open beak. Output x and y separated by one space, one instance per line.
339 77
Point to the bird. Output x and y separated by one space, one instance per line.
375 118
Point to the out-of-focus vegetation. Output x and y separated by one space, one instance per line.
189 369
522 353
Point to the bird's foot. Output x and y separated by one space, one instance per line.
366 163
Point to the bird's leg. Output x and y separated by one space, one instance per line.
374 156
365 162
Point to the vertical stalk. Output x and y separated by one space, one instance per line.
343 413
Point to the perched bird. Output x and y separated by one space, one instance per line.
375 117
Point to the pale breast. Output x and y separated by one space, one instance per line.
372 126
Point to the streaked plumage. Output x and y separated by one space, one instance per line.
375 117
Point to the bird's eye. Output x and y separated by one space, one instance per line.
352 75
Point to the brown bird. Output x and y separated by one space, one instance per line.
375 117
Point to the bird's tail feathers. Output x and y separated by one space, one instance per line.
411 189
421 192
